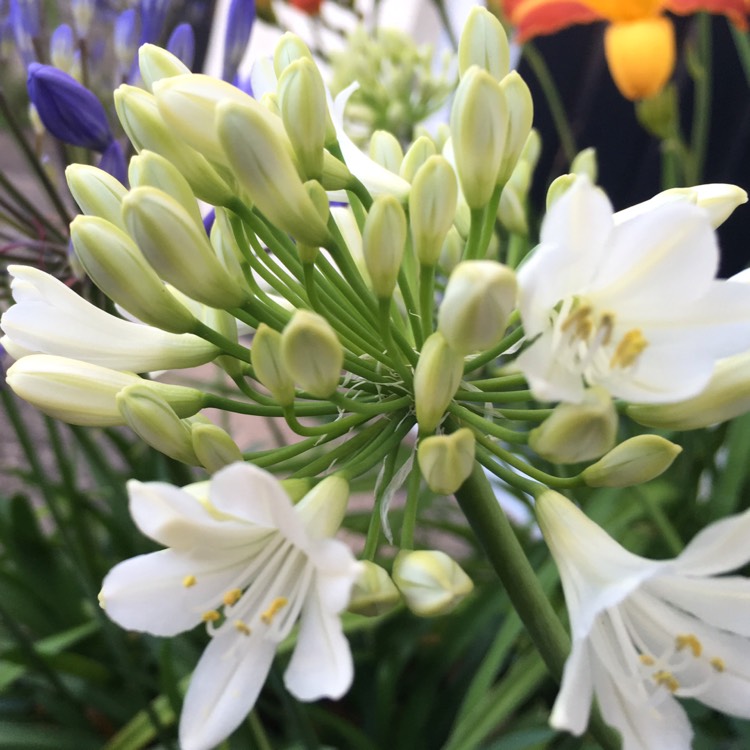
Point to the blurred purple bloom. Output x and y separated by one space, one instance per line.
26 16
113 161
68 110
182 43
208 221
62 47
239 25
153 18
126 39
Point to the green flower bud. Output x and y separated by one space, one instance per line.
532 149
726 396
265 170
386 150
312 353
225 245
84 394
558 187
659 115
637 460
479 298
269 366
115 264
383 242
155 422
577 432
431 582
140 118
323 508
213 446
149 169
718 199
297 488
304 111
319 197
288 49
155 63
452 250
446 461
96 192
484 43
336 175
178 250
520 107
436 380
585 163
419 152
479 126
373 593
510 211
432 207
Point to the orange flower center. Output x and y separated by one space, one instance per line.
616 11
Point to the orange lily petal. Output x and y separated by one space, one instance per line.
735 10
537 17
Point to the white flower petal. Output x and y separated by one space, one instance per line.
321 666
573 703
224 687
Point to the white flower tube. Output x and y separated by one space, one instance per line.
634 307
50 318
249 565
646 632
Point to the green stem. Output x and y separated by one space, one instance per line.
426 298
373 529
411 508
473 243
662 522
702 102
490 217
485 427
226 345
492 354
386 331
259 733
742 44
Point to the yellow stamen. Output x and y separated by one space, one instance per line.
691 642
242 627
211 616
662 677
581 320
276 605
646 660
718 664
232 596
189 581
627 351
606 324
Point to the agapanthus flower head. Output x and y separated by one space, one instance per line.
639 40
247 563
67 108
646 632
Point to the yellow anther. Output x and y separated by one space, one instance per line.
241 627
718 664
276 605
606 324
580 319
189 581
232 596
627 351
211 616
646 660
691 642
667 679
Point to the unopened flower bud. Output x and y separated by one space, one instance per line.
155 422
418 153
288 49
520 107
436 380
96 192
386 150
144 125
634 461
510 211
264 168
312 353
479 126
319 198
558 187
269 366
323 508
479 297
240 18
62 47
383 242
302 102
156 64
213 446
296 488
484 43
85 394
115 264
125 38
181 43
446 461
585 163
373 593
577 432
726 396
167 235
432 207
452 250
431 582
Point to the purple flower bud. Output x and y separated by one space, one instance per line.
26 15
20 25
153 17
182 43
62 47
83 15
68 110
126 39
239 25
208 221
113 162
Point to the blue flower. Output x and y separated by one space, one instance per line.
182 43
240 20
68 110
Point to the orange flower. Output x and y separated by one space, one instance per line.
639 41
311 7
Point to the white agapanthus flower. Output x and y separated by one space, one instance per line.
633 306
50 318
249 564
646 632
